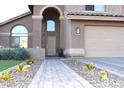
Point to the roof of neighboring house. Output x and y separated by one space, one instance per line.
15 18
94 14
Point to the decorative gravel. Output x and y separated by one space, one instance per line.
23 79
113 81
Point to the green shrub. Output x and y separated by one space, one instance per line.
21 54
15 54
7 54
11 54
90 66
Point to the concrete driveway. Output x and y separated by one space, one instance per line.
111 64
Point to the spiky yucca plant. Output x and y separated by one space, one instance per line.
30 61
90 66
6 76
103 75
21 68
77 63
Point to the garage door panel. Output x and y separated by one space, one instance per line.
104 41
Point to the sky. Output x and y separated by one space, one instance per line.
9 11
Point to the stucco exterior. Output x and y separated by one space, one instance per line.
5 29
67 18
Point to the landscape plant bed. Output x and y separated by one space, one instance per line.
22 79
113 81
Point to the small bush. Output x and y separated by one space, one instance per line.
11 54
90 66
6 76
21 54
4 54
103 75
15 54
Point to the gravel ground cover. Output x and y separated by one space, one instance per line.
113 81
22 79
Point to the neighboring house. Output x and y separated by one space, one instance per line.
80 30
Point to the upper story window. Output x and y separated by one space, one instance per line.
19 37
89 7
99 8
50 25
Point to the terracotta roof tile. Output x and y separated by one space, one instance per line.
94 14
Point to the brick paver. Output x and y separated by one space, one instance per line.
55 74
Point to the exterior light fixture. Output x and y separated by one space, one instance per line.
77 30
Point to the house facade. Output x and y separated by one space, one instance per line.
79 30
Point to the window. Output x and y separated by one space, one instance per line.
19 37
99 8
90 7
50 26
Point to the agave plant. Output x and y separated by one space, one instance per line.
77 63
6 76
21 68
30 61
103 75
90 66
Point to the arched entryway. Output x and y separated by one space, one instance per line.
51 31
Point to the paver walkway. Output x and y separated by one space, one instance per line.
55 74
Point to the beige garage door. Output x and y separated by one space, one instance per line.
104 41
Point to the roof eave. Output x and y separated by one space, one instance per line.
100 18
15 18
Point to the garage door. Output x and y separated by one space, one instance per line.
104 41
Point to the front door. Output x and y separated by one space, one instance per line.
51 46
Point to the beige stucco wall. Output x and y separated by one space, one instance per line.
37 8
37 53
114 9
122 9
5 30
77 47
74 8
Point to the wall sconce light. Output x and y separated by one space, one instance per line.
77 30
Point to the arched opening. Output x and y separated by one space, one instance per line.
51 31
19 37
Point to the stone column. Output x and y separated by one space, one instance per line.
37 33
68 37
61 32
